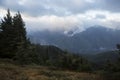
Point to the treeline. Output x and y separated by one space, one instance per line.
111 70
15 45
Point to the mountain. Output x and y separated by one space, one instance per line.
93 40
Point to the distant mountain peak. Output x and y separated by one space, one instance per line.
74 31
93 39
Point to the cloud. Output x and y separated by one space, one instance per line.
99 16
60 7
52 23
90 1
77 22
65 15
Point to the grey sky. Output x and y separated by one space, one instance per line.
65 14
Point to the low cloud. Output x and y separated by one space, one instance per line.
77 22
71 22
65 15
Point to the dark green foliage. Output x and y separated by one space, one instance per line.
26 56
118 62
112 70
74 62
53 56
12 35
20 31
116 65
6 36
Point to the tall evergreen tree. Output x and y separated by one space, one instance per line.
18 24
6 35
13 35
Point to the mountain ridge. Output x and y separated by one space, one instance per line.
92 40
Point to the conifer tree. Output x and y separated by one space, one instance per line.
12 35
6 35
20 31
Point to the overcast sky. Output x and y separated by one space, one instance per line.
64 15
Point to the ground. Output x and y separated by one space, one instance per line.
11 71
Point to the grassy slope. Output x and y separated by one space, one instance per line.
10 71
